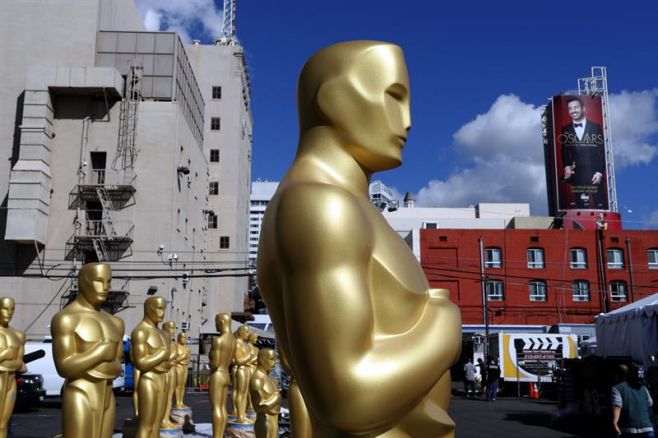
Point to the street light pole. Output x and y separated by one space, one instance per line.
485 306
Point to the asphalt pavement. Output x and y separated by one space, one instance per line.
505 418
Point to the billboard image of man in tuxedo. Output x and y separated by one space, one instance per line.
583 157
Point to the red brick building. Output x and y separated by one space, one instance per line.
541 277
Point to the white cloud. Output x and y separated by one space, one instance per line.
187 17
505 153
634 122
507 165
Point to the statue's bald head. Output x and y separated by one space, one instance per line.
344 87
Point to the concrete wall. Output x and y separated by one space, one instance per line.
218 65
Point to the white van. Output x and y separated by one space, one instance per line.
53 382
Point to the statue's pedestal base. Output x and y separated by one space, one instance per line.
171 433
184 417
239 430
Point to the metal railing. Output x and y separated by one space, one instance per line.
104 177
105 228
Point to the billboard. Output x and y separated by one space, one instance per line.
576 145
532 357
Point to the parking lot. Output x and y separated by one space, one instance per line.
505 418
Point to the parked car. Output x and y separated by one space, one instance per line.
29 391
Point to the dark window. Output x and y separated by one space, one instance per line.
535 258
493 258
615 258
495 290
580 290
578 258
213 188
224 242
216 92
214 123
618 291
214 155
212 221
537 290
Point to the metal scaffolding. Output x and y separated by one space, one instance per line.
597 85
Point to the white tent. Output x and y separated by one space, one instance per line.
631 330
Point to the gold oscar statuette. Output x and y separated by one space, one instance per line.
169 328
183 361
372 358
241 373
265 394
150 352
221 354
12 348
253 363
87 350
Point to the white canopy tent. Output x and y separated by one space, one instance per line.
631 330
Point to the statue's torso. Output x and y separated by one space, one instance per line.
92 327
10 338
223 349
156 340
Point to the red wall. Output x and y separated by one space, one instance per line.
451 260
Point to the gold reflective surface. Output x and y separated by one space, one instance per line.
182 361
367 341
221 354
12 349
253 363
241 374
265 395
87 350
169 328
149 348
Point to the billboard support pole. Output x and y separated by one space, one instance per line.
485 304
597 85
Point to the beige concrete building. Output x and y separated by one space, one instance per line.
105 147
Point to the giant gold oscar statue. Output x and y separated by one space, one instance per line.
150 353
241 373
221 355
183 357
87 349
169 328
12 348
265 394
253 364
373 357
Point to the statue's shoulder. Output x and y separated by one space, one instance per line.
117 322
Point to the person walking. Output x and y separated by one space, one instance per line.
631 406
493 374
483 375
469 378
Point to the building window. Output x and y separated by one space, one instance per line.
213 188
214 124
492 258
615 258
653 258
537 290
216 92
212 221
224 242
580 290
214 155
535 258
494 290
618 291
578 258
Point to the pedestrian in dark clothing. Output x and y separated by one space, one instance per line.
631 406
483 374
493 374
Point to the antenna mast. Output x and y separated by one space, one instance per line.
228 36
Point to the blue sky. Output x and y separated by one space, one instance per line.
479 72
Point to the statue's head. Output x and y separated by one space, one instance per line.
154 309
94 282
360 89
169 327
223 322
182 338
7 307
267 359
243 332
253 338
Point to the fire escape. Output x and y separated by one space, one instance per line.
101 193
